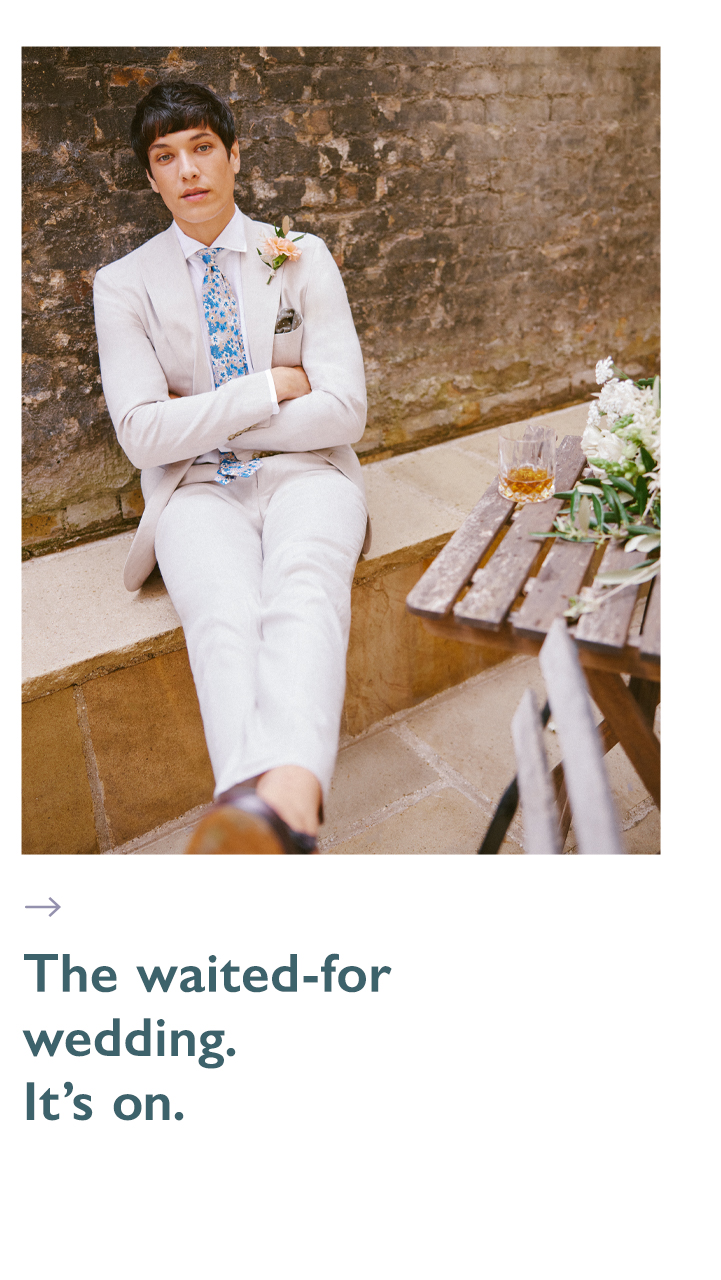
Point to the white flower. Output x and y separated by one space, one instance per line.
621 397
594 417
602 444
604 370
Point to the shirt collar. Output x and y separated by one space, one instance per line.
231 237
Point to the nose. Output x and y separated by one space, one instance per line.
188 166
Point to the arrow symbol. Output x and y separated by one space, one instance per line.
44 906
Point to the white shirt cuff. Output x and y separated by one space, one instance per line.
273 396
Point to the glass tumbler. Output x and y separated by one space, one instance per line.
526 462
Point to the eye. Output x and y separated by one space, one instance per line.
204 146
164 157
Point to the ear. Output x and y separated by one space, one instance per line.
151 180
235 156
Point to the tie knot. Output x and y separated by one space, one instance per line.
207 256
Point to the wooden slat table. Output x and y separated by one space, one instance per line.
474 591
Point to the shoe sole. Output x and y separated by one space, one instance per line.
230 830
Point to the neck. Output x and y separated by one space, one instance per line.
207 232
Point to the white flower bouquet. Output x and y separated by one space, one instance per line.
619 495
623 430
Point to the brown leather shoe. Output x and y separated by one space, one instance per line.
240 822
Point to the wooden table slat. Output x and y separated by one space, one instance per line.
434 594
607 627
651 635
560 577
496 586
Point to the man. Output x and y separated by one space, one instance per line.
238 391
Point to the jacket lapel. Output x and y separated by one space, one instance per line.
167 280
260 299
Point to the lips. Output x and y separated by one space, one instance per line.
195 193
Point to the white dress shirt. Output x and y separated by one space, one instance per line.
233 242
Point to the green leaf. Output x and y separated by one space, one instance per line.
597 511
618 482
625 421
641 573
614 506
583 514
643 542
575 499
647 460
642 528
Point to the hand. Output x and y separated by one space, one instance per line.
290 382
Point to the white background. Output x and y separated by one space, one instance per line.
533 1091
502 1102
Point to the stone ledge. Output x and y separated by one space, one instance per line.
79 622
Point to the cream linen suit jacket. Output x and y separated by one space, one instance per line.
150 344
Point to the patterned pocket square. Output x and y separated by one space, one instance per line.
287 320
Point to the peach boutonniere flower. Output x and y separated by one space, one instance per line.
278 249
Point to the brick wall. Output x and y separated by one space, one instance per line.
494 213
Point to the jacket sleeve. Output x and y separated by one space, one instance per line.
154 430
334 412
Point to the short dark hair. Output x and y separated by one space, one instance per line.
178 105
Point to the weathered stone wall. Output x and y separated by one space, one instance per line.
494 213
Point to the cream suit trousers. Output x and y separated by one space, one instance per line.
260 573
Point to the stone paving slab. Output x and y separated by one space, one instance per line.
444 823
472 731
371 775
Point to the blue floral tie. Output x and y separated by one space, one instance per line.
227 353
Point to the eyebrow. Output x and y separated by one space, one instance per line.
163 146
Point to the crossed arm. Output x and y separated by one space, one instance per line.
322 403
289 383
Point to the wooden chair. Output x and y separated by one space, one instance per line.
584 776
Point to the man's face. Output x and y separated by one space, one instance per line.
193 174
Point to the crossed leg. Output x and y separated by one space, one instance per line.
261 584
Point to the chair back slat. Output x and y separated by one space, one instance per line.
594 815
540 815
